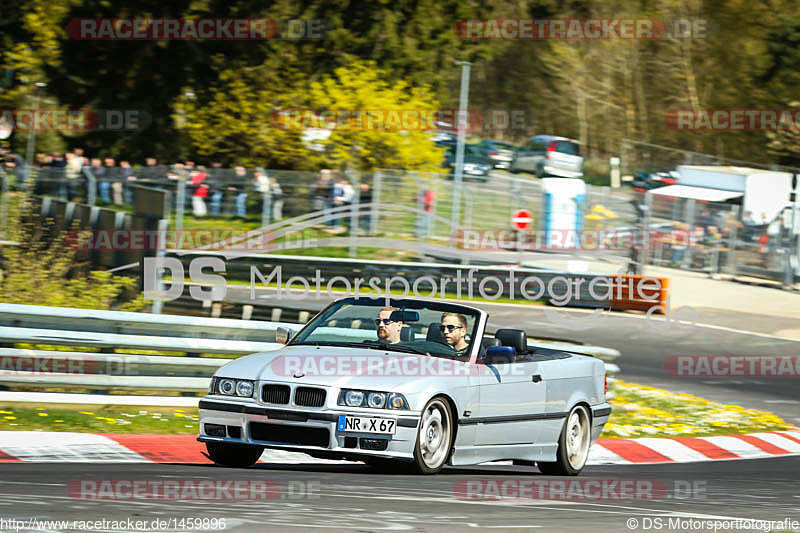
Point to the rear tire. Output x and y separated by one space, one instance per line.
434 437
573 445
234 455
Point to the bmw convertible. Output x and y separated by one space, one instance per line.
385 381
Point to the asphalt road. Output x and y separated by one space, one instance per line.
355 497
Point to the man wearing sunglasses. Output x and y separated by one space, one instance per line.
388 331
454 331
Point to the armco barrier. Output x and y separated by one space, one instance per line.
56 326
238 268
631 292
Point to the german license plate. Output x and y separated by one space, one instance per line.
363 424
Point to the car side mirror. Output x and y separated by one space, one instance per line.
283 335
499 355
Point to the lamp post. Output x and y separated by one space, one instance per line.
31 136
461 124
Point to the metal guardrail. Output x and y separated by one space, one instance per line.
58 327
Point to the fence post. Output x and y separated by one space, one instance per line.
91 186
732 242
163 226
689 214
3 204
266 207
180 200
353 177
377 180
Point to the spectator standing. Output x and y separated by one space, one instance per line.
72 172
126 180
200 192
680 240
216 186
103 185
364 197
336 201
239 188
277 199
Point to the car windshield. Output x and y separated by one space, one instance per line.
412 326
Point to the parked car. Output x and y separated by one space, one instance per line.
500 153
547 155
476 164
646 181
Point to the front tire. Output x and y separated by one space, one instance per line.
234 455
434 437
573 445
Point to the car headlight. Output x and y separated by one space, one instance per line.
372 399
227 386
233 387
354 398
244 388
376 400
212 387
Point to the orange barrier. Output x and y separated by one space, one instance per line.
632 292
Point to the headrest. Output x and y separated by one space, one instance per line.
490 341
435 334
406 334
515 338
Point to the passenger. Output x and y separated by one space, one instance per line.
388 330
454 331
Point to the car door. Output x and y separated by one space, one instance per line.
523 156
511 400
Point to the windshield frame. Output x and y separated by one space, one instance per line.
477 332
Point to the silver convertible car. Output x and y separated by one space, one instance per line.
407 380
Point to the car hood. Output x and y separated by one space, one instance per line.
342 367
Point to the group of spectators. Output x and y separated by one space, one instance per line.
65 175
333 190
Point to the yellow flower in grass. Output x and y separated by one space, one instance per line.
9 417
86 413
57 421
43 414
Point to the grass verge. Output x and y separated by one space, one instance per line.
641 411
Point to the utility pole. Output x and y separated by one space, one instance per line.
31 137
461 124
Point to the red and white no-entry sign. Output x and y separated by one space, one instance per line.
522 219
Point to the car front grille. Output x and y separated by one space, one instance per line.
284 434
309 397
277 394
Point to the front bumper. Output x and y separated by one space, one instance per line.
290 426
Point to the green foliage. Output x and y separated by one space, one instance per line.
364 87
44 271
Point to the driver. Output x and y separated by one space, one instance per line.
388 330
454 331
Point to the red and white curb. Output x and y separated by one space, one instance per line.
37 446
